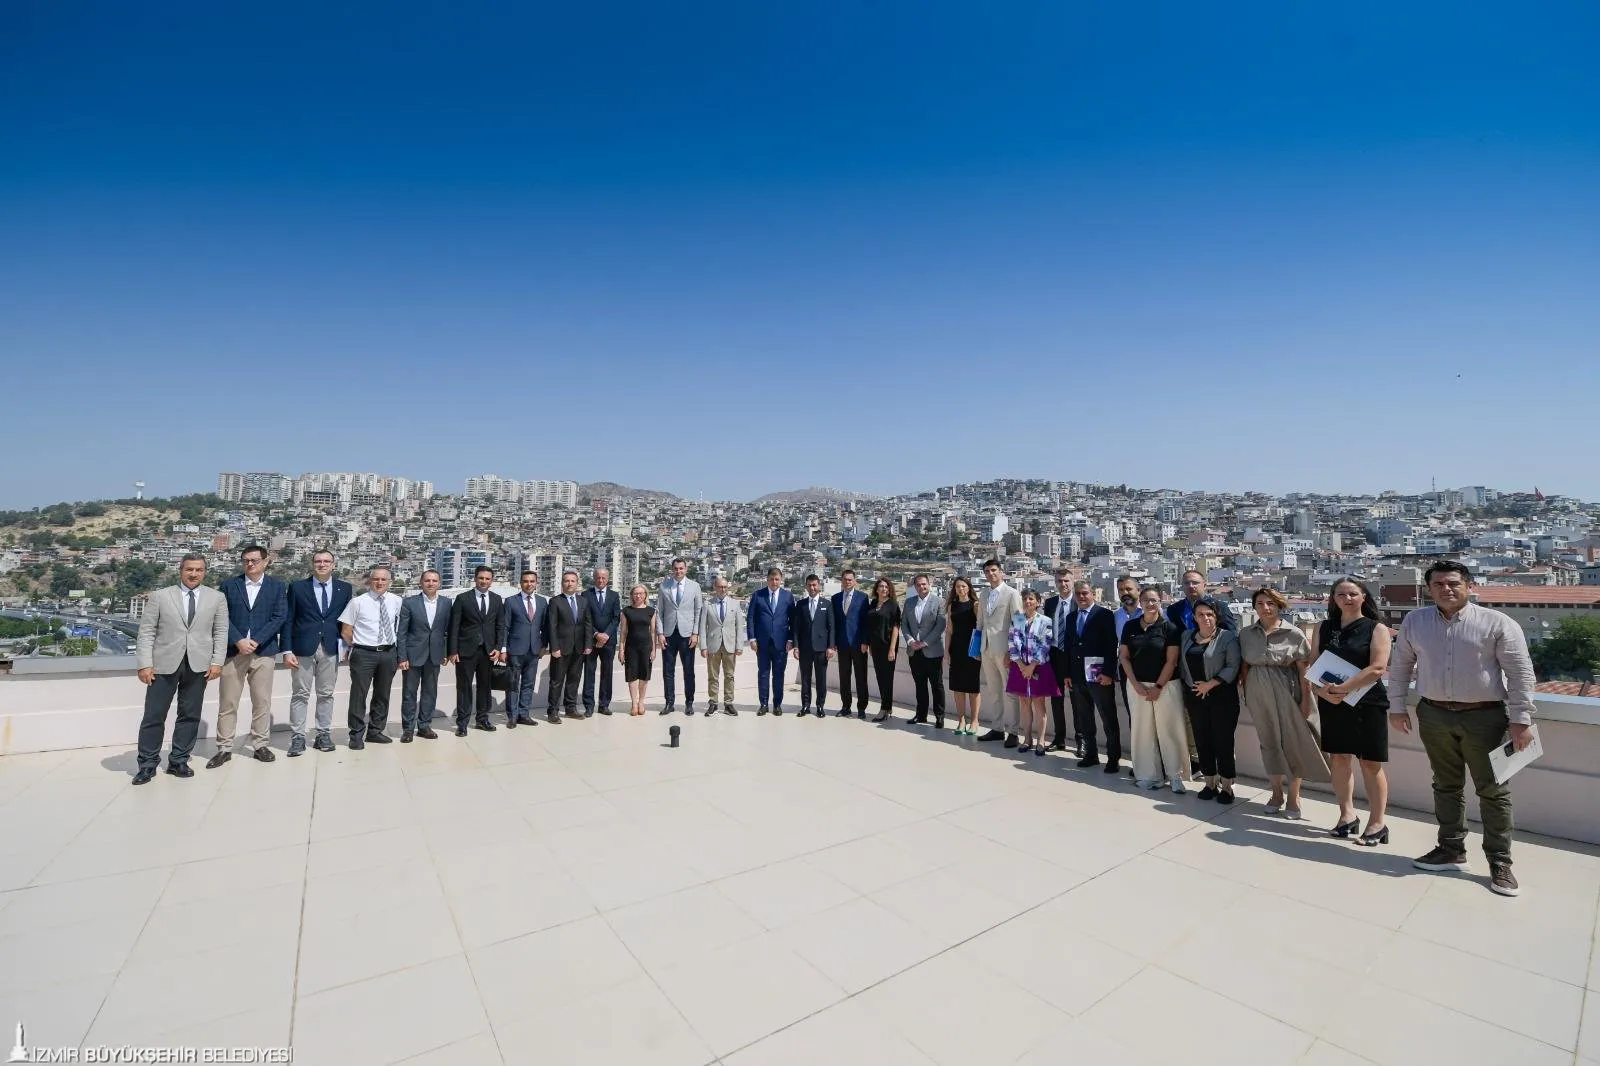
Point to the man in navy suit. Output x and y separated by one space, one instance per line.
849 615
258 607
767 629
424 638
522 642
605 611
315 604
1092 635
813 644
477 641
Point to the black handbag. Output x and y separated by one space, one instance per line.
500 677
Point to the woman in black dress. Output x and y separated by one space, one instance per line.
1354 634
883 641
637 636
961 609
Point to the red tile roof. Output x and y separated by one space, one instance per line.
1540 595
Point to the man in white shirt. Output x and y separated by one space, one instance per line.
370 625
424 645
678 605
258 610
1128 596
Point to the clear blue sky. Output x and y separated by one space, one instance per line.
877 246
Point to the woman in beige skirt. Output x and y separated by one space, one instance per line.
1279 703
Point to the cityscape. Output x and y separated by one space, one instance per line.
73 577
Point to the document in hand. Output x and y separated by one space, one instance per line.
1093 667
1329 669
1506 760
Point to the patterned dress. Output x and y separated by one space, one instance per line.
1029 643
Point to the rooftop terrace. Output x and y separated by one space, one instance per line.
774 891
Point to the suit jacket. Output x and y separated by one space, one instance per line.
849 618
1099 638
519 635
766 619
812 634
166 637
568 630
680 618
308 625
264 622
725 633
931 629
605 611
472 630
1224 616
420 643
996 624
1221 658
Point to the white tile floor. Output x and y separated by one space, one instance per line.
775 891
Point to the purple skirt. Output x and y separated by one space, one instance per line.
1043 682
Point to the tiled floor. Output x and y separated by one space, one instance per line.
773 892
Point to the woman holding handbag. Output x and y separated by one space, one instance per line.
962 610
1031 678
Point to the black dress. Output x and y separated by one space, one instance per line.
882 621
963 667
1362 730
641 638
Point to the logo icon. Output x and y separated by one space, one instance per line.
19 1050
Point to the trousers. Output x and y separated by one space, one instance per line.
677 651
189 686
770 663
423 680
927 674
374 671
719 667
318 673
254 671
813 668
998 704
1089 700
853 676
1459 743
600 664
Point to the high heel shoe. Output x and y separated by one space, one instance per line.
1344 830
1372 840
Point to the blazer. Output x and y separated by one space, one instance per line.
931 630
420 643
309 626
996 624
1099 638
471 629
264 622
605 611
812 635
567 629
724 633
518 635
166 638
1224 616
680 618
1221 657
849 618
766 619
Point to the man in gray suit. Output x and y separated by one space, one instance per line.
813 644
678 606
424 646
721 643
183 643
923 624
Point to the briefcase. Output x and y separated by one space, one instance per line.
500 677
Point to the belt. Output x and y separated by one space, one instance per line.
1481 705
373 647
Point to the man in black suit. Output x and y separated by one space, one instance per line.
424 646
477 630
571 641
1057 608
1092 635
605 614
813 644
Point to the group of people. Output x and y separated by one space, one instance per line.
1178 674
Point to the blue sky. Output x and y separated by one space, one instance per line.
882 247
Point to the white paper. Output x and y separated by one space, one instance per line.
1506 760
1330 664
1093 667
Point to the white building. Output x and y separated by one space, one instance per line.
537 493
455 565
493 488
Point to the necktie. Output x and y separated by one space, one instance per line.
385 629
572 601
813 608
189 617
323 585
483 604
722 611
677 593
1083 616
527 605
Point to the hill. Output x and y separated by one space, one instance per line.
814 494
595 490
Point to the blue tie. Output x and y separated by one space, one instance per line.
1083 616
324 587
722 611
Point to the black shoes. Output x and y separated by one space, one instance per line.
1208 793
688 710
406 735
921 718
862 714
842 712
358 743
379 738
1346 830
323 742
764 709
219 759
728 708
993 734
1224 798
1112 767
1440 860
297 746
1011 740
1381 836
147 774
606 711
804 711
1058 746
525 720
883 716
427 733
1502 881
511 723
668 709
461 730
778 711
484 724
553 718
263 755
938 722
1088 761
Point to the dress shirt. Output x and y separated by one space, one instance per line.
363 616
918 610
993 599
1122 616
430 606
528 604
483 602
324 594
1479 656
251 590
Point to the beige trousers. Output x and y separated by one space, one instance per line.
239 671
1160 752
719 665
999 706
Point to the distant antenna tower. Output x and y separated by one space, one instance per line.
138 490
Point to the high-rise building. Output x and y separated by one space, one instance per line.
493 488
258 487
455 565
537 493
999 525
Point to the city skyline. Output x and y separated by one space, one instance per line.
1328 250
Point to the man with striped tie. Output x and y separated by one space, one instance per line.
369 624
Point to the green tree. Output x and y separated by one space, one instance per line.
1572 650
63 579
79 646
91 509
